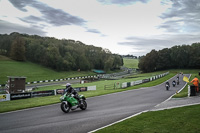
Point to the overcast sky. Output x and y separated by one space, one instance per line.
122 26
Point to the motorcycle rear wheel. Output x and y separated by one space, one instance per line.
84 105
167 88
65 107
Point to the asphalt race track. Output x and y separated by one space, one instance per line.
101 111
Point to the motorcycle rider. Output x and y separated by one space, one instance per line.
167 85
174 83
72 91
177 80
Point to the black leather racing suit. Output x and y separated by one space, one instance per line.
72 91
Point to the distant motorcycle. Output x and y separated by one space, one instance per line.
177 82
177 79
68 102
167 86
174 83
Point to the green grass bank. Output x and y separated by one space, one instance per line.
130 63
33 72
178 120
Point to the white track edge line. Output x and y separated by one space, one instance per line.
174 107
118 121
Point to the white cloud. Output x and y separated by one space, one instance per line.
124 27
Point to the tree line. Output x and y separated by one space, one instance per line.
130 56
61 55
176 57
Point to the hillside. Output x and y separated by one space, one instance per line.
130 63
33 72
60 55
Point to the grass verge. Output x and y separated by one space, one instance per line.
34 72
27 103
178 120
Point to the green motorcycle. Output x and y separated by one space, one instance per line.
68 102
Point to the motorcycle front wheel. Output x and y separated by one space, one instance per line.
84 105
65 107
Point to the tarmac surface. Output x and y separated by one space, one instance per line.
101 111
178 102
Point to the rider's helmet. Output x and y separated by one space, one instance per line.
68 85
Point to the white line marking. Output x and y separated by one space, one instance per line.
119 121
175 106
